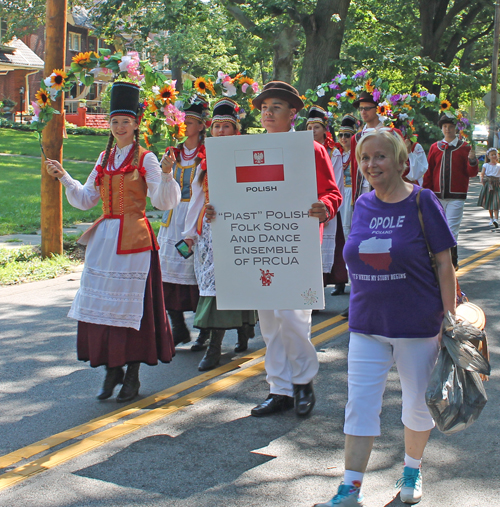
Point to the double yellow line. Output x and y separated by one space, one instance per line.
139 421
478 259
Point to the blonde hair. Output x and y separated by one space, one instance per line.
395 141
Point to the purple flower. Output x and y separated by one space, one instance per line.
334 86
338 96
424 93
376 95
360 73
395 98
403 97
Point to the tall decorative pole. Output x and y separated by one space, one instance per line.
494 76
52 137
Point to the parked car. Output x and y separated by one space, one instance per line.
480 133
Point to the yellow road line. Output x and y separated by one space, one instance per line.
480 262
111 417
87 444
479 254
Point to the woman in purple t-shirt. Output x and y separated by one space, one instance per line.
396 309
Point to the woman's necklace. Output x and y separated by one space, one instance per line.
193 155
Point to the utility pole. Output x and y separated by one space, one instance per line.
52 136
494 77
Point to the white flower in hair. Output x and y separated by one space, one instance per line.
403 116
431 97
230 89
47 82
179 104
320 92
124 63
449 115
358 88
155 89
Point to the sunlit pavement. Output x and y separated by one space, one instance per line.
197 444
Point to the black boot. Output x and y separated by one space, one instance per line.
131 384
180 331
213 353
242 343
454 257
200 344
339 289
114 376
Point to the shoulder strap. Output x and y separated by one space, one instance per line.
431 255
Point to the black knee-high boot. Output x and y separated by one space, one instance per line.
131 384
114 376
180 331
200 343
214 351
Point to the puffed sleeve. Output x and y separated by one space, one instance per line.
338 169
163 190
81 196
328 191
418 163
194 208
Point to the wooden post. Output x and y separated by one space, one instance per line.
494 77
52 137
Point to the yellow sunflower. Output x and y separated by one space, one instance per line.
181 132
146 140
247 80
201 85
445 105
235 78
83 58
383 110
369 87
250 105
151 105
167 94
42 98
350 94
210 86
57 79
333 103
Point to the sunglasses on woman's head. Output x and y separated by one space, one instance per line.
345 135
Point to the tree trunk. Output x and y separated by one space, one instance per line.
323 42
284 47
176 70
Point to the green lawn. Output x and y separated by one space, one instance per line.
74 148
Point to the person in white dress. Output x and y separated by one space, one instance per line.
334 268
119 306
198 235
179 281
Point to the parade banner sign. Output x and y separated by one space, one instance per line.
267 250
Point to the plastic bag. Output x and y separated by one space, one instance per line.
455 394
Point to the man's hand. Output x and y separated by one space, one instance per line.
319 210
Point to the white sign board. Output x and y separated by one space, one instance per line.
267 251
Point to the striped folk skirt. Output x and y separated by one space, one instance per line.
489 197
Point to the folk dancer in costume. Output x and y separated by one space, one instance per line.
119 306
291 360
416 165
347 130
334 269
489 197
198 235
179 281
451 163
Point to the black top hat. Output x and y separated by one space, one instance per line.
348 124
225 110
445 119
317 115
364 97
279 90
197 108
124 100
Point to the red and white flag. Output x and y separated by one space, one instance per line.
254 166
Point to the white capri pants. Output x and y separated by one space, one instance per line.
290 356
454 210
369 360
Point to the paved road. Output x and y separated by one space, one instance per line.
194 444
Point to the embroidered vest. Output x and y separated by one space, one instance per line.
123 194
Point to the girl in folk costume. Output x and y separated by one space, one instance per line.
451 163
334 269
119 306
346 131
179 281
489 197
197 234
416 165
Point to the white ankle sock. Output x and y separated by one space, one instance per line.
412 462
353 478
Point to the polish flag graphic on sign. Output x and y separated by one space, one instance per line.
255 166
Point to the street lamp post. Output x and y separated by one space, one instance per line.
494 77
21 101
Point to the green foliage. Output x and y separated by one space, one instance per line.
72 130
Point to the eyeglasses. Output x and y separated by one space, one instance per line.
366 108
345 135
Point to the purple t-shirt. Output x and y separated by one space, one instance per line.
394 292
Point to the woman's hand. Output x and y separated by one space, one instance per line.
472 155
409 145
210 213
54 168
167 161
318 210
189 243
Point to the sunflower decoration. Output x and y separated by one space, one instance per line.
384 109
181 132
57 79
42 98
350 95
369 86
201 85
210 87
445 105
250 105
146 140
84 59
247 80
167 94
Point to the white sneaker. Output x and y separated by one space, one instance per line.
491 222
411 485
495 223
347 496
